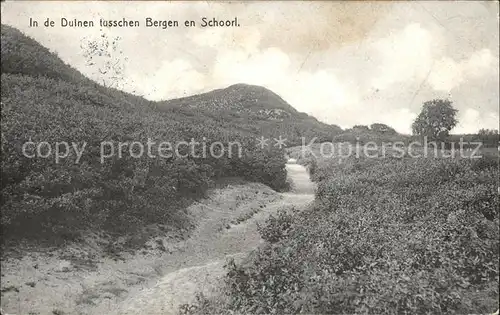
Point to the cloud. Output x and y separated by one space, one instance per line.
481 63
447 73
158 86
405 55
239 66
344 62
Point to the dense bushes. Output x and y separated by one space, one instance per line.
387 236
122 192
44 100
276 228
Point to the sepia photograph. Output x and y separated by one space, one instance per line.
249 157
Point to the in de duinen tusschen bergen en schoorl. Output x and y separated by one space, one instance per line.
148 22
249 158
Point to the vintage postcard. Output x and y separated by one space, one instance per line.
249 157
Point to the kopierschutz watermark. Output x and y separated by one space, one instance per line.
396 149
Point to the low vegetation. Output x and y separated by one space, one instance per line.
118 192
385 236
393 234
46 101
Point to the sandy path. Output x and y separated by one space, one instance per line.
201 265
154 281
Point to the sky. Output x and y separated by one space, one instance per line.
345 63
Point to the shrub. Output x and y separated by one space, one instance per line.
123 193
43 99
276 228
386 236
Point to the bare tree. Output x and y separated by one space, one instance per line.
105 56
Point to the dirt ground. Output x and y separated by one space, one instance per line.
84 279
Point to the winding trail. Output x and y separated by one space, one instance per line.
199 267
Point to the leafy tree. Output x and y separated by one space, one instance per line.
435 120
487 132
488 137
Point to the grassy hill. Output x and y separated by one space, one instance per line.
238 98
256 109
45 101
